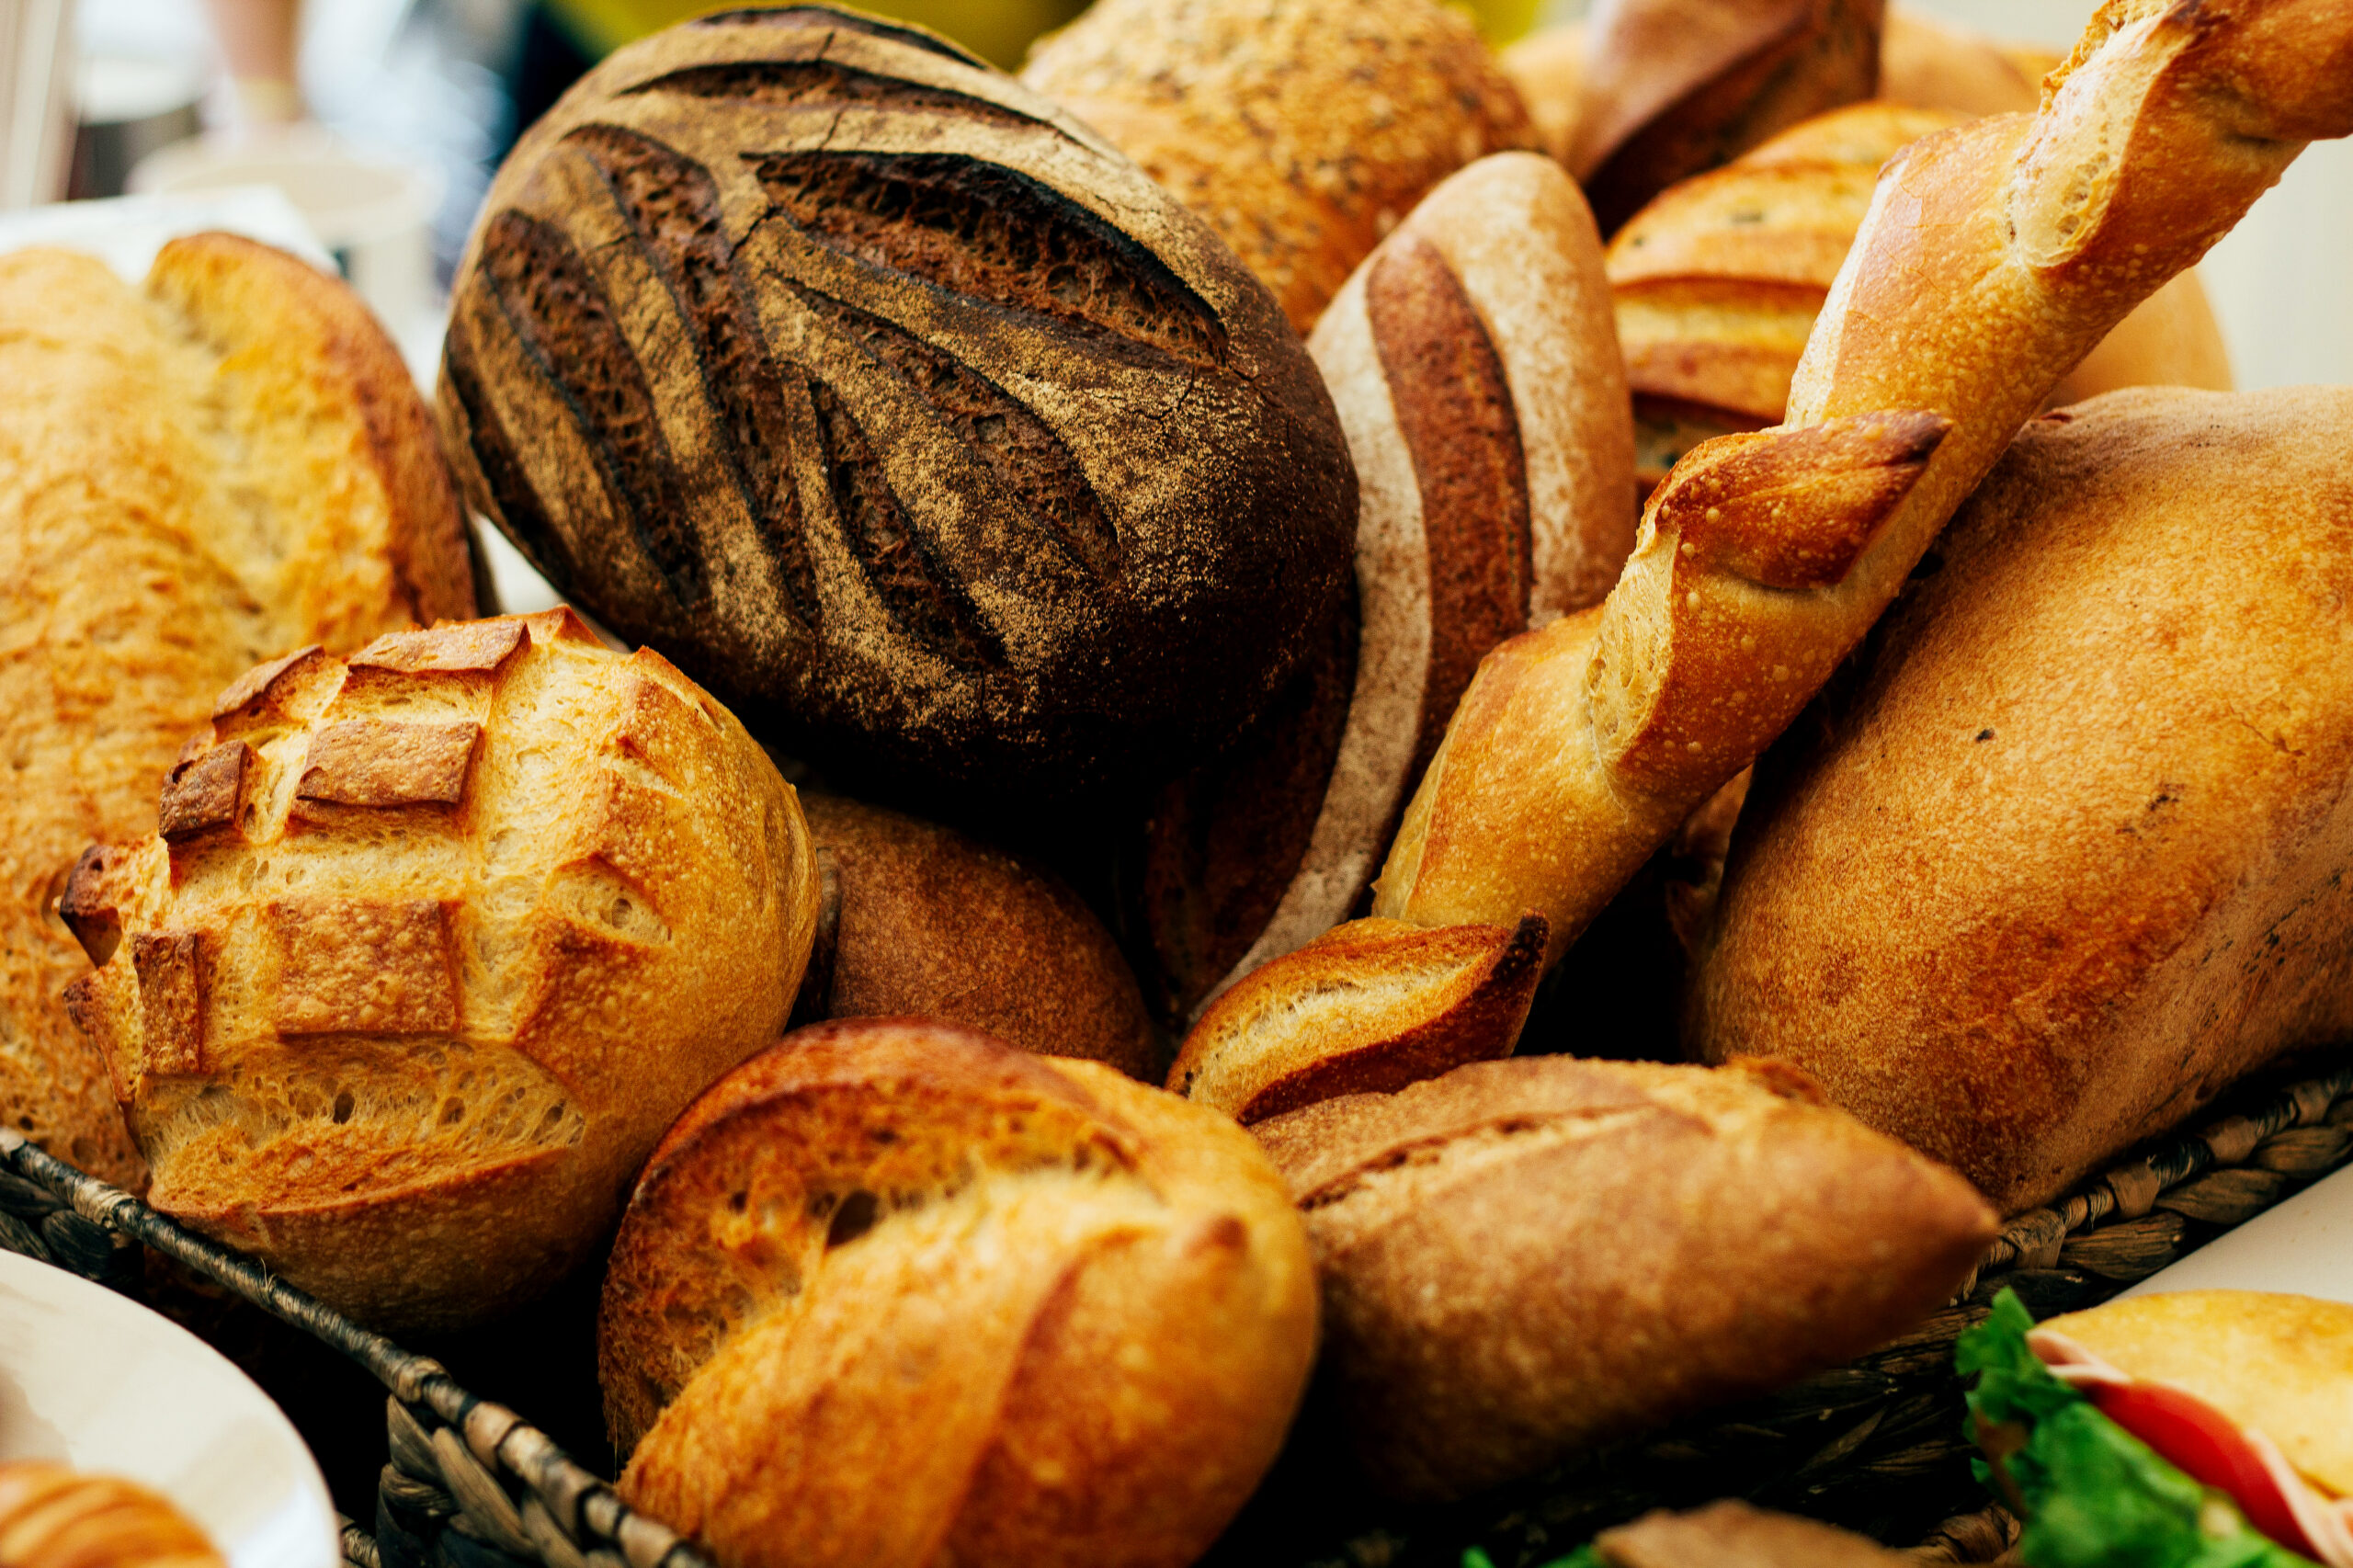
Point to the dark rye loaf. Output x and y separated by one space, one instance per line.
898 407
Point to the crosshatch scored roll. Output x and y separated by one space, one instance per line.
897 407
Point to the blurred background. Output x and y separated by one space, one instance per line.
364 133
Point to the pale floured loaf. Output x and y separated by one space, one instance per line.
194 476
433 944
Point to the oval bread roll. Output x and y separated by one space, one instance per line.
195 475
1300 131
2068 854
893 1294
432 945
1525 1258
920 920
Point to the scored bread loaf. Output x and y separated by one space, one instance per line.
898 408
2060 858
893 1294
51 1516
1765 558
432 945
1367 1007
1673 87
1300 131
1472 363
917 919
1717 283
1523 1259
194 474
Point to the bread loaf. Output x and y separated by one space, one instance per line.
194 475
917 919
893 1294
1931 65
1764 559
1731 1534
52 1518
1367 1007
1523 1259
1471 361
899 409
1302 131
2060 861
432 945
1717 283
1673 87
1547 67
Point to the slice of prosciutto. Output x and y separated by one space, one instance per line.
2211 1449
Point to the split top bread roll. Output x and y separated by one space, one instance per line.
194 474
1526 1258
433 944
893 1294
2063 858
1994 256
1300 131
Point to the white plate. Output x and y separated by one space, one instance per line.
2303 1247
95 1380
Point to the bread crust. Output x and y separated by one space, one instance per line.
1302 132
194 477
900 408
1471 362
930 923
2060 863
1525 1258
1068 1316
52 1518
408 1042
2053 235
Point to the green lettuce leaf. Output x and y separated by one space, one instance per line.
2095 1495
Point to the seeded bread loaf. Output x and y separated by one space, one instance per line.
432 945
1302 131
917 919
1523 1259
893 1294
2064 857
1473 364
194 475
898 408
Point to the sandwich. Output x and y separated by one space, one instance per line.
2204 1430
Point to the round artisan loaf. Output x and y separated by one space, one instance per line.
433 944
918 919
1067 1317
898 408
2068 851
1525 1258
1303 130
194 474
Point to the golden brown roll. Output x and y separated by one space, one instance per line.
51 1516
1525 1258
920 920
2064 859
195 475
432 945
1300 131
895 1294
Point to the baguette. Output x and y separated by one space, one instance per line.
1765 558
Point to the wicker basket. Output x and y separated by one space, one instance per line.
1877 1444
